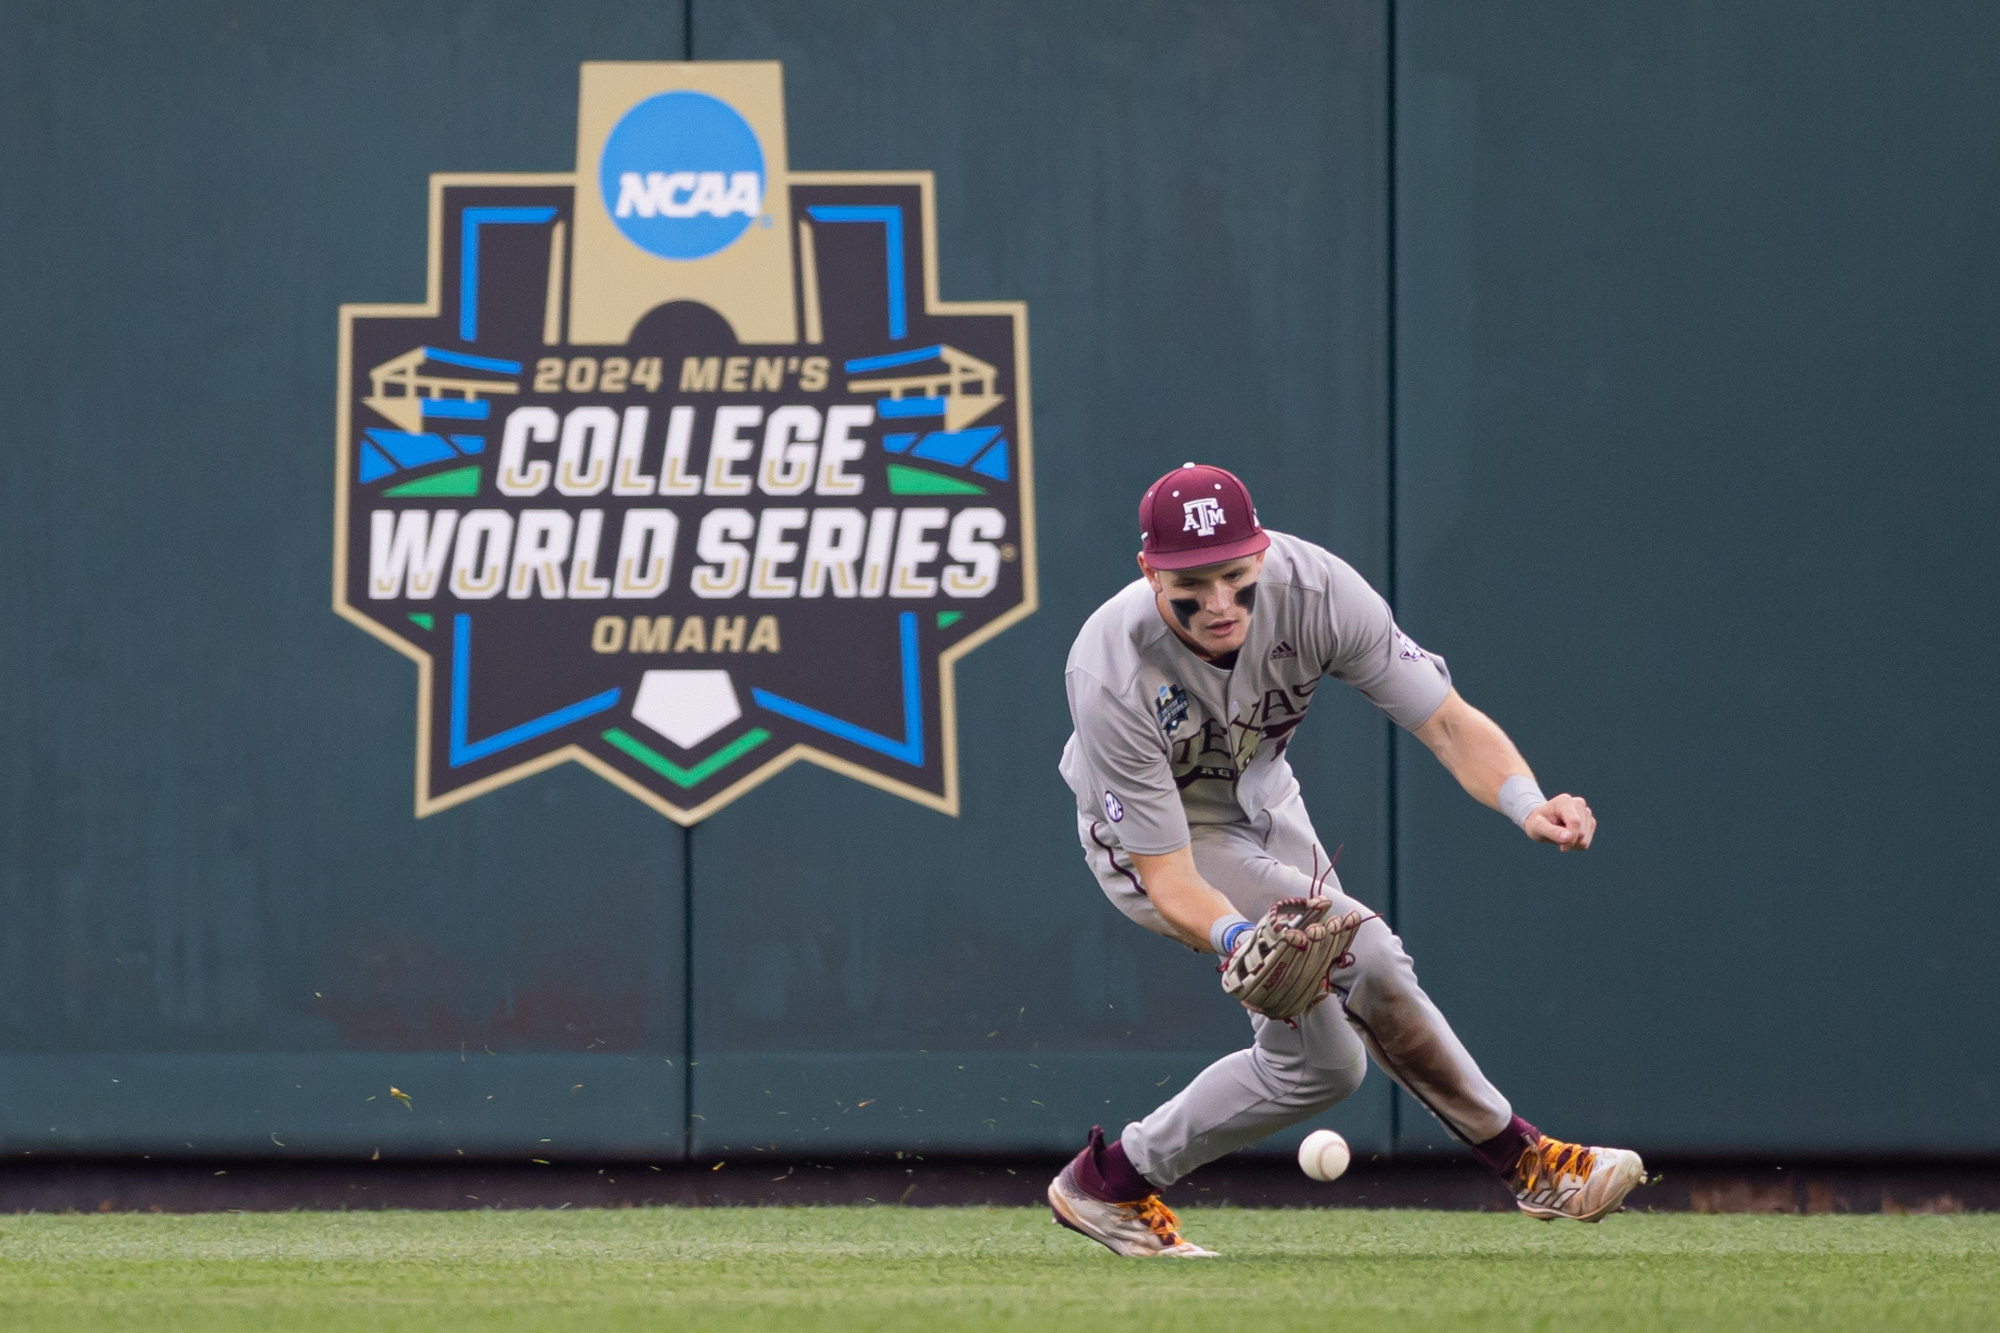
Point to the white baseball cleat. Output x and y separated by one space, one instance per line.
1556 1179
1138 1230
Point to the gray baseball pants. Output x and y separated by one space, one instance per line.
1289 1074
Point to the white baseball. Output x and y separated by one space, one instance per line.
1323 1155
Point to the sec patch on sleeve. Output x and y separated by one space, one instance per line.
1114 809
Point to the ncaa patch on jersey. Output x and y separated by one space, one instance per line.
682 471
1114 809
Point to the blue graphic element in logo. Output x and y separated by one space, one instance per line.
911 748
891 219
956 447
953 447
468 274
464 751
992 463
374 466
386 452
682 175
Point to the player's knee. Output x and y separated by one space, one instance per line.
1326 1071
1324 1086
1379 957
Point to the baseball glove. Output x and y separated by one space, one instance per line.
1281 967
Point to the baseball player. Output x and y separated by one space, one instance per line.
1184 690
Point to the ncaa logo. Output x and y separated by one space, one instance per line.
1204 516
682 175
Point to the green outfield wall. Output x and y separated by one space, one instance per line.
1695 330
1643 355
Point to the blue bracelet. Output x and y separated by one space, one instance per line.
1222 931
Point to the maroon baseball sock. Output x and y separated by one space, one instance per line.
1500 1153
1107 1175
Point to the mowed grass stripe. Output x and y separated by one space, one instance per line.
891 1268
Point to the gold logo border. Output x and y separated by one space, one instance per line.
427 804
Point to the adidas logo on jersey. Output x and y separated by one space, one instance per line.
1283 650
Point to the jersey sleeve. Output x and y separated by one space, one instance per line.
1368 651
1124 765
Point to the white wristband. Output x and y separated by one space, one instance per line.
1519 798
1219 929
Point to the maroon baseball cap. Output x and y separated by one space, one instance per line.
1198 515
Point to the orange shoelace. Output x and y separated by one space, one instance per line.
1551 1160
1159 1218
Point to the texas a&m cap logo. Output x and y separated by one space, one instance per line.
1198 515
683 472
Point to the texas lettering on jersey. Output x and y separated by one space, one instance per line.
1219 752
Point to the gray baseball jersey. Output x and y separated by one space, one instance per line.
1164 739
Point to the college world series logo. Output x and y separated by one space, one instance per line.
683 472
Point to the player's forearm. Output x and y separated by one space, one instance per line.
1473 749
1189 903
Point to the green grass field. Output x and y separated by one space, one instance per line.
893 1268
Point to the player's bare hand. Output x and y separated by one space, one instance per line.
1564 820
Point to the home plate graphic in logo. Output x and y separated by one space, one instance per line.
683 472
